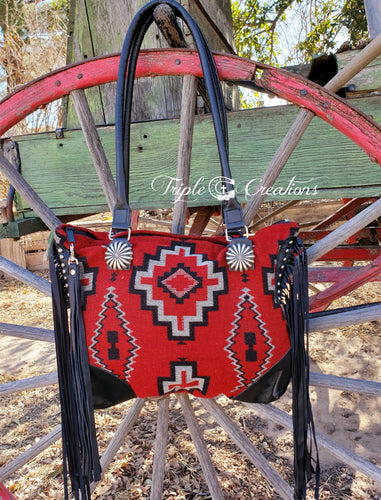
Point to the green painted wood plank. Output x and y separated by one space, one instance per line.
22 227
325 164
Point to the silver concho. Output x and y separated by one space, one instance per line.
119 254
240 255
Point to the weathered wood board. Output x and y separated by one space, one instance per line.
325 164
367 80
98 28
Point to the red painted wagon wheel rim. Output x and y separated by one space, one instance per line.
177 62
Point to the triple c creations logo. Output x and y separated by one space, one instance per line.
223 188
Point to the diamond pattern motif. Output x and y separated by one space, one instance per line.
193 283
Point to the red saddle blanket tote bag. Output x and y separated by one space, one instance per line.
146 314
179 319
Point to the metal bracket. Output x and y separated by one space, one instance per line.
60 133
11 153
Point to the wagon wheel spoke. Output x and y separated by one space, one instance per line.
201 447
343 454
27 277
188 104
341 319
251 452
303 119
94 145
345 231
28 383
30 454
161 441
36 203
27 332
120 435
345 384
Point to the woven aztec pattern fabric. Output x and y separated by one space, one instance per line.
179 319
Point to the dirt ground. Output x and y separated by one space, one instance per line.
352 420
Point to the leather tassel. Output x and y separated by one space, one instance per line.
297 313
78 428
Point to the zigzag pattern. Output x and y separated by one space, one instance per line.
120 315
246 297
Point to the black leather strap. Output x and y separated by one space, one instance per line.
231 209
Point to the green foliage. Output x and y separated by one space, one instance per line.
329 19
257 25
61 6
353 18
324 29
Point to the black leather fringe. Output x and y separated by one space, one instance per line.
80 450
293 284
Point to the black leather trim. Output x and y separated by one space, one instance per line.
108 390
271 386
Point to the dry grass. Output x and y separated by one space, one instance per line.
27 416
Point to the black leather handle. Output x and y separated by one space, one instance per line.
231 209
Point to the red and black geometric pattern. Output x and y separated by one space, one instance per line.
268 275
88 277
180 287
249 346
178 319
113 347
180 282
183 377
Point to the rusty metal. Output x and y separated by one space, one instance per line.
11 152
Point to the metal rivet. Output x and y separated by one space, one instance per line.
284 259
72 272
60 250
304 92
177 62
80 76
282 266
57 83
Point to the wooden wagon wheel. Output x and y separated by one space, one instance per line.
314 100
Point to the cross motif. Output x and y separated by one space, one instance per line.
183 378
